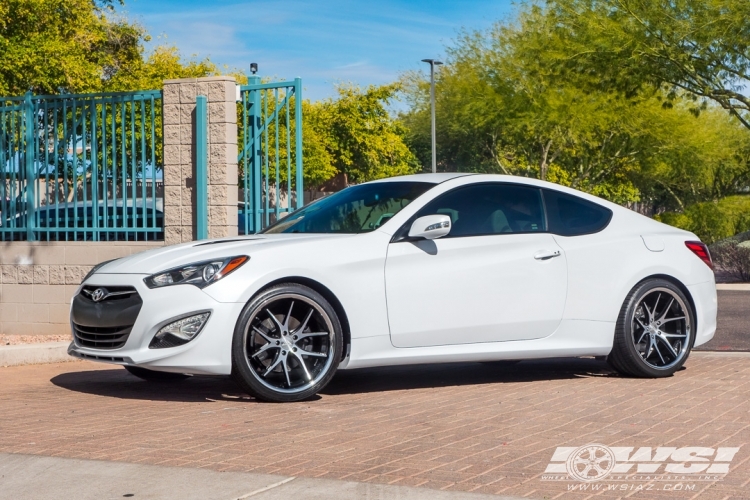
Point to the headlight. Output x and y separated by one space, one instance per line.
96 268
200 274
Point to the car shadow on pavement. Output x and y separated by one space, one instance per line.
395 378
118 383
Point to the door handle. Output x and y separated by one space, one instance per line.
546 254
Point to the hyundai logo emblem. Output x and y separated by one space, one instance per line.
102 293
98 294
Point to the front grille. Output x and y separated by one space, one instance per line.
111 292
101 337
104 323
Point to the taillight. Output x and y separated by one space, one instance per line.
701 250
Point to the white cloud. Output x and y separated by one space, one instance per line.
323 42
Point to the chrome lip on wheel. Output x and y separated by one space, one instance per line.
288 343
661 328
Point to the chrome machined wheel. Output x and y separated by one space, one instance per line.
661 329
288 343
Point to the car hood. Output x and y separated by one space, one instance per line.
160 259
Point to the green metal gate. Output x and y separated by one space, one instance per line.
270 152
81 167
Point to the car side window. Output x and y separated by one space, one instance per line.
569 215
491 208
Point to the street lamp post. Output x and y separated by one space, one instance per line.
433 63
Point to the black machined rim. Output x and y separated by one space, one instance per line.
288 343
661 328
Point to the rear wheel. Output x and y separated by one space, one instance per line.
654 332
153 375
287 344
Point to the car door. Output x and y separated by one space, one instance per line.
497 276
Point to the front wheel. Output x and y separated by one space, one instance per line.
654 331
287 344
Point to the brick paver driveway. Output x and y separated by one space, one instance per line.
475 427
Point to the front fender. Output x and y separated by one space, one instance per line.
352 269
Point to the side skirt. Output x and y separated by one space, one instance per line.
572 338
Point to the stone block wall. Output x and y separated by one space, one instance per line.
38 280
179 157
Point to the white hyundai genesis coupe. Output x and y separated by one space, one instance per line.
427 268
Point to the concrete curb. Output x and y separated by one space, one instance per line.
738 287
34 354
721 354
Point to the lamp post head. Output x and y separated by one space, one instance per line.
253 68
432 62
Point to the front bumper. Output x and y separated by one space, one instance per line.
208 353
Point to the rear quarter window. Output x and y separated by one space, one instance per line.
569 215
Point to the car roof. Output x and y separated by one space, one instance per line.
441 177
427 177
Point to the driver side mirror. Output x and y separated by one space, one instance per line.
430 227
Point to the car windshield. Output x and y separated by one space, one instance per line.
357 209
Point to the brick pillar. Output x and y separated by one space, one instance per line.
179 157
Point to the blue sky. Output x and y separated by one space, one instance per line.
324 41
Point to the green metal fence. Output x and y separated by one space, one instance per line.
81 167
270 152
201 167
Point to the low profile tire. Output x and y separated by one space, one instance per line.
153 375
655 331
287 344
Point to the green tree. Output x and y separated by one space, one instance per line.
318 145
701 47
691 160
78 46
163 63
695 55
352 135
503 107
75 46
713 221
359 137
501 113
53 46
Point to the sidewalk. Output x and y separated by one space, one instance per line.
34 354
28 476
